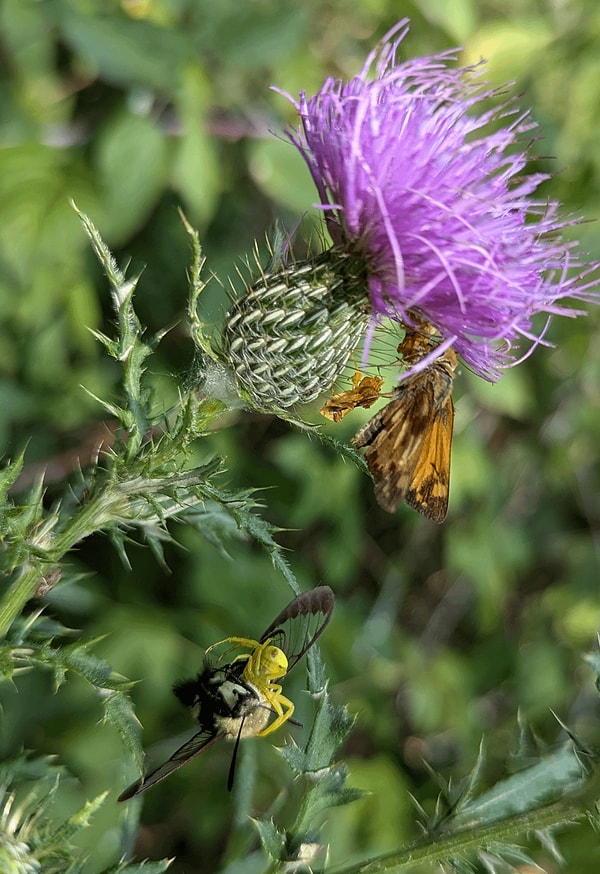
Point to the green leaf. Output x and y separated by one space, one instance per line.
329 791
271 838
330 728
512 45
7 665
75 657
131 157
263 532
280 172
593 660
8 476
125 52
195 173
250 37
543 782
458 19
119 712
80 819
140 867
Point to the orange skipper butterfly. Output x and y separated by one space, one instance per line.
408 442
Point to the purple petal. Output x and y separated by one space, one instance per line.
420 181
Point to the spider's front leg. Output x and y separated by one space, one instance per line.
281 705
237 643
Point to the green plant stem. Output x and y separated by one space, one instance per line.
18 593
92 517
113 501
469 840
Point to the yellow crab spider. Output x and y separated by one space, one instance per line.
264 664
235 700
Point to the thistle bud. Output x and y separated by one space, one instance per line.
290 334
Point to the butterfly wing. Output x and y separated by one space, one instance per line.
428 490
394 439
189 750
408 442
301 623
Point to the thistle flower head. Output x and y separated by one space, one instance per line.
426 186
289 335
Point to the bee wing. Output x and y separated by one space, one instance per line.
428 490
394 439
301 623
189 750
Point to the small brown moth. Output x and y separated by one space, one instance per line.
364 392
409 441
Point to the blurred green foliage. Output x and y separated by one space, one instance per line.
441 634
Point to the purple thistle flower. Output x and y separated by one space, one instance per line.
426 187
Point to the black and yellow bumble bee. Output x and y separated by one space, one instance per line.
239 698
